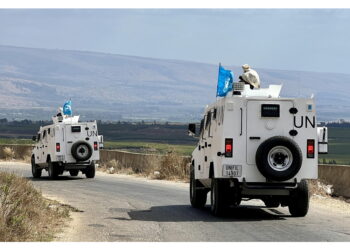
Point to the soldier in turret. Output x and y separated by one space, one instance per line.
250 77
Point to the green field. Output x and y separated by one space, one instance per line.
132 146
150 147
339 146
15 141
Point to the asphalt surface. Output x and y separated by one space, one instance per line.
126 208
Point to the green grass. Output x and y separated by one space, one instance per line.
15 141
338 146
133 146
150 147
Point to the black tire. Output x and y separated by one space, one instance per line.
74 172
272 203
198 194
219 197
276 152
36 171
90 171
52 169
81 151
299 200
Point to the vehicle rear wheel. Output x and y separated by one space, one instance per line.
90 171
36 171
198 194
278 158
81 151
218 196
52 169
74 172
299 200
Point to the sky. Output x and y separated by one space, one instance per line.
289 39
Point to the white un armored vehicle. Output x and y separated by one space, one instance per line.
253 144
66 145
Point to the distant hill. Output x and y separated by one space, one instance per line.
34 82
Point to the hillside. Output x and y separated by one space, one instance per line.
34 82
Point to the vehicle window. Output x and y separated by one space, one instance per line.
201 128
76 129
48 131
208 120
214 114
39 136
221 115
44 134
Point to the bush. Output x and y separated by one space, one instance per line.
173 166
114 166
24 214
170 166
8 153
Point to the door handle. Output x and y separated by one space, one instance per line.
254 138
241 122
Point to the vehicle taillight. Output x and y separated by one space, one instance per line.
58 147
310 150
95 145
228 147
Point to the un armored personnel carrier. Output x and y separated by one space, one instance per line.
66 145
254 144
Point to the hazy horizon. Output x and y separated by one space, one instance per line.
285 39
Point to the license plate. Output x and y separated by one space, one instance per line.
232 170
60 157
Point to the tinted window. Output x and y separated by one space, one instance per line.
76 129
208 119
201 126
270 110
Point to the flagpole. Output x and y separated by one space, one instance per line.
217 84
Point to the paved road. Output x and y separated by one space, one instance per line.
123 208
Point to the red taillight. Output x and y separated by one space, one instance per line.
228 147
95 145
310 149
58 147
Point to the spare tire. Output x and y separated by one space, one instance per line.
279 158
81 151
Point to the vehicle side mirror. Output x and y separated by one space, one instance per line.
34 138
192 129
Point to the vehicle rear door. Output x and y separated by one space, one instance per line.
72 133
266 119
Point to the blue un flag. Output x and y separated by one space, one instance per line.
67 108
225 81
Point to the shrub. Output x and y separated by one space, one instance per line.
114 166
24 214
8 153
173 166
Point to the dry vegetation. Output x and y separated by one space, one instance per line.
114 166
15 152
320 190
24 214
173 167
169 167
8 153
317 188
